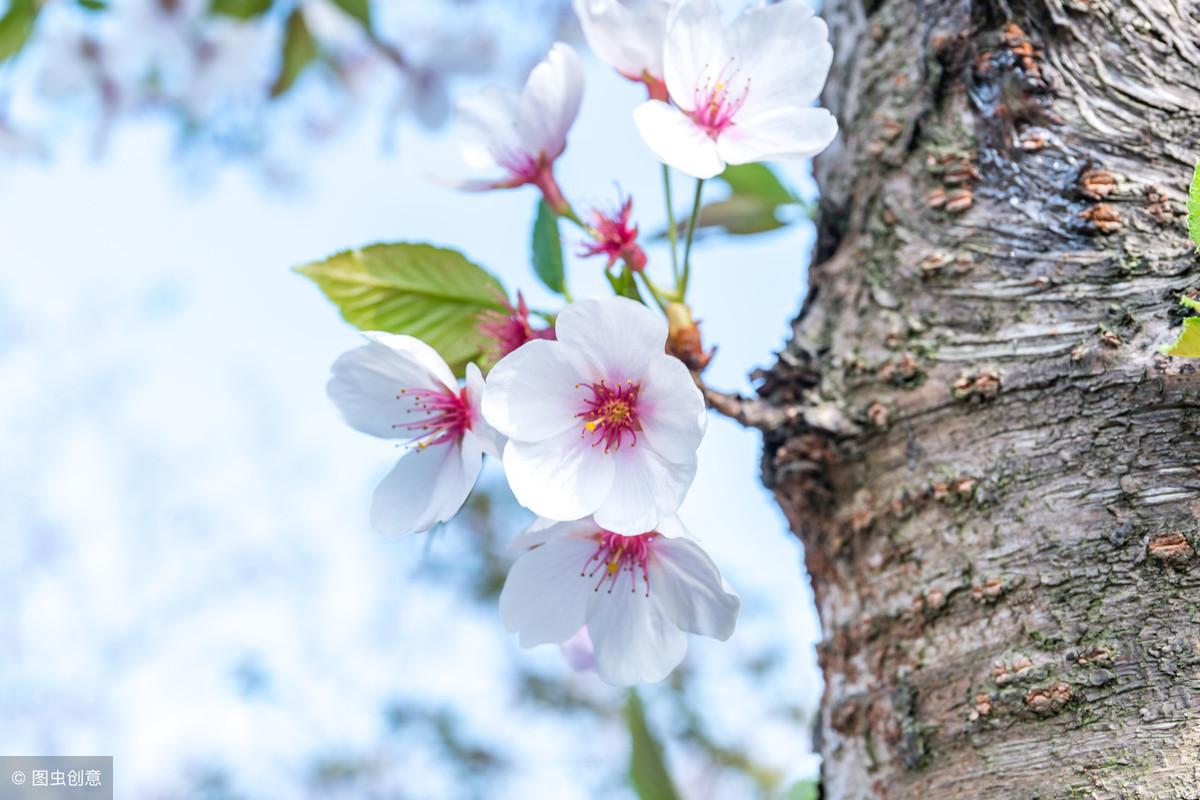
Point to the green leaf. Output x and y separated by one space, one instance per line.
1188 343
756 198
804 790
359 9
15 27
1184 300
93 5
428 292
547 248
757 181
240 9
299 50
1193 207
647 769
624 284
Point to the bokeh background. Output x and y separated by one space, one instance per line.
188 580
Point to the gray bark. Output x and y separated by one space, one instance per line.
995 475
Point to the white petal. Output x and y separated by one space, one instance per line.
578 651
627 35
545 598
561 478
784 50
671 409
423 353
490 440
645 488
487 127
691 589
550 102
782 133
532 392
677 140
672 527
616 336
633 638
365 382
542 530
424 488
695 50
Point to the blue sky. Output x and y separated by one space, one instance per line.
178 497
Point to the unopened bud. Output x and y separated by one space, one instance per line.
683 338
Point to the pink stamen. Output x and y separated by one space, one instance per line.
713 104
611 414
442 416
616 554
616 238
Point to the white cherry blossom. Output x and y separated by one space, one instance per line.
521 134
637 596
628 36
397 387
743 93
600 421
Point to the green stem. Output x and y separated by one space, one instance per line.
654 291
672 228
687 247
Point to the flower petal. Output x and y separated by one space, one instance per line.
487 127
490 440
691 589
784 50
633 638
628 36
677 140
424 488
671 409
646 487
616 336
550 102
694 52
365 381
781 133
673 528
561 478
542 530
532 393
545 598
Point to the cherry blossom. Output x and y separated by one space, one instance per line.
740 94
397 387
638 596
506 331
522 134
601 421
628 36
616 238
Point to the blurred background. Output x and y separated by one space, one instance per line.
188 580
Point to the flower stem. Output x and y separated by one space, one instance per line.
672 228
687 247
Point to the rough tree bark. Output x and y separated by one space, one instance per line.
995 476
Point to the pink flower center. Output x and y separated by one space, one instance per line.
616 554
715 103
439 416
611 414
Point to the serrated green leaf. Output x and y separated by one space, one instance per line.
16 26
1193 207
740 216
756 199
429 292
240 9
299 50
1187 345
647 770
547 248
359 9
93 5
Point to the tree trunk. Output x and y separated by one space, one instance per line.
995 475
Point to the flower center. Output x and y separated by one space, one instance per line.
611 414
438 416
615 555
715 103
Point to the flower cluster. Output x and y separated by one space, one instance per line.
597 416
